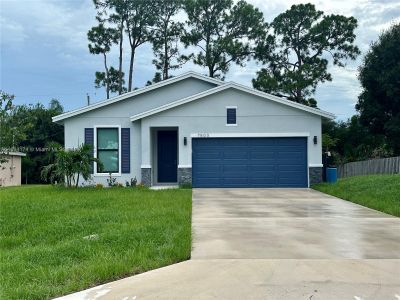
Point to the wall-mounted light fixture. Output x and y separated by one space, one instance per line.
315 140
185 141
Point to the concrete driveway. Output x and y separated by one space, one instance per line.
289 224
275 244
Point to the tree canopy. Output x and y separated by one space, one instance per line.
223 32
379 102
297 50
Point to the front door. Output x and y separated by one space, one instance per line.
167 156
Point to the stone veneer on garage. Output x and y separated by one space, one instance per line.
184 176
315 174
146 176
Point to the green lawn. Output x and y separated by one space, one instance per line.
380 192
44 254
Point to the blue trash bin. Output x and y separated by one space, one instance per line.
331 175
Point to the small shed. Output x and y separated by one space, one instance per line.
10 171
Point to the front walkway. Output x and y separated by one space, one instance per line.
275 244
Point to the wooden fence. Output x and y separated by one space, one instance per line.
389 165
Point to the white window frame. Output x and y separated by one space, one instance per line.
95 173
226 115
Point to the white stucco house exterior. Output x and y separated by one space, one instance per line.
202 131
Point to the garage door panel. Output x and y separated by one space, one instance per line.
207 155
262 167
259 154
233 183
291 168
242 154
249 162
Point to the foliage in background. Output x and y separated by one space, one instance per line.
29 129
351 141
295 53
375 132
6 131
379 102
223 32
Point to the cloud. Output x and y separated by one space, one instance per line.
12 33
55 23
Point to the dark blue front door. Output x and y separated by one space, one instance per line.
249 162
167 156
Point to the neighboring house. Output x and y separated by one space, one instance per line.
10 171
200 130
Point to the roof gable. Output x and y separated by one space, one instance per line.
239 87
134 93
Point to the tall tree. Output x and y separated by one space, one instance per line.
296 52
140 17
223 32
166 37
115 12
101 39
379 102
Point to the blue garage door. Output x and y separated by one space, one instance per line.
249 162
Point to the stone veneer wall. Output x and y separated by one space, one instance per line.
184 176
315 174
146 176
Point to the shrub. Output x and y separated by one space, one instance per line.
69 165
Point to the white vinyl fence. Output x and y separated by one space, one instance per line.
389 165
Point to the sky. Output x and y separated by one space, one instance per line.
44 52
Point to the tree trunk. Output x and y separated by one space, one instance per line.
165 73
299 97
121 39
77 181
211 71
131 68
107 77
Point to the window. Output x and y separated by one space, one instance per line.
108 150
231 116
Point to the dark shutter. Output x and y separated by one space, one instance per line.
89 140
125 150
231 116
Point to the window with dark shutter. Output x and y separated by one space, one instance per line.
125 151
231 116
89 140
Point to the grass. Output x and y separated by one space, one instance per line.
44 254
380 192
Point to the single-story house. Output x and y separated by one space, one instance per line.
193 129
10 170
